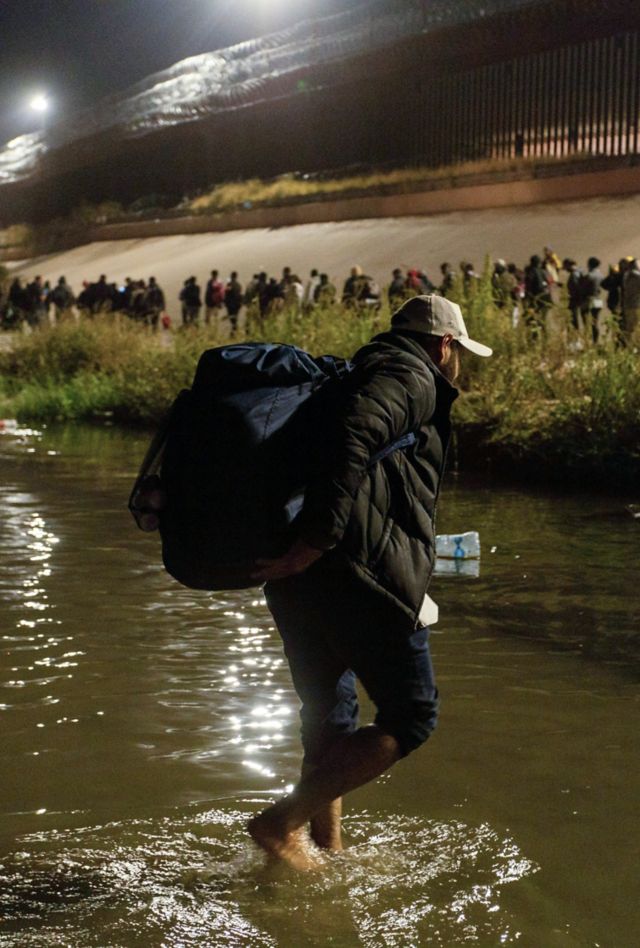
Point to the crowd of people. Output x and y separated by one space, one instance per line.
37 303
264 293
527 293
537 288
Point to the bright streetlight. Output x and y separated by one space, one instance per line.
40 103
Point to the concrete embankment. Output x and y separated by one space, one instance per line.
603 226
468 192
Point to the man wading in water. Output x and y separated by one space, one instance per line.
349 597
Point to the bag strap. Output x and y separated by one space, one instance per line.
406 441
153 458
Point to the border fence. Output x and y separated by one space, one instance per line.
552 78
576 99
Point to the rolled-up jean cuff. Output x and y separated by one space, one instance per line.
414 727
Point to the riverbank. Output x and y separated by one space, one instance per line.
552 406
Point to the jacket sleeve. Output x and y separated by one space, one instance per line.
394 399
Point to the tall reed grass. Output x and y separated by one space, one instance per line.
287 187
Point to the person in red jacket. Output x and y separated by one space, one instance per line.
213 297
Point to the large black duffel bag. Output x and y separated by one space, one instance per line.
224 476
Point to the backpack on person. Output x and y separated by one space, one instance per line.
370 289
223 479
224 476
584 289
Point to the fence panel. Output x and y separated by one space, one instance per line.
575 99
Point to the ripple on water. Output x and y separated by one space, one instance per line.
193 878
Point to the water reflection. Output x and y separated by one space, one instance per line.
191 879
256 666
37 652
143 723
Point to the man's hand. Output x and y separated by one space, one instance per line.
295 560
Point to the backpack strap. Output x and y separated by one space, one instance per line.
406 441
152 462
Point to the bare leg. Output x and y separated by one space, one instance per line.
325 824
349 764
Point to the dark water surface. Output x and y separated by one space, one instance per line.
142 724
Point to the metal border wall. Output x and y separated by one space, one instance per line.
551 79
575 99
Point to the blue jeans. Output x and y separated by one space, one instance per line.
335 629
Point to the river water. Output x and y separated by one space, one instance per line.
143 723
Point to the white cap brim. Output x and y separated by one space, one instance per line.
476 347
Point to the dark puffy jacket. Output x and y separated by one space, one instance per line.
379 521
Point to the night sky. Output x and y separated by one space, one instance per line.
80 50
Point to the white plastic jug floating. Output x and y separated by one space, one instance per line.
459 567
458 546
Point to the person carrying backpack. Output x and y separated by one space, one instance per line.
349 596
537 295
62 298
154 303
369 293
191 302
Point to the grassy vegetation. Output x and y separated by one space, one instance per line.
61 233
17 235
287 187
555 403
79 371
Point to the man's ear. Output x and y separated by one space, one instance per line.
444 348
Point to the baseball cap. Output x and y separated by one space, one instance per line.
436 316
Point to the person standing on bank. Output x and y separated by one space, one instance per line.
233 297
213 298
349 597
593 301
191 302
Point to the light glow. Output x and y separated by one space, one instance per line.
40 103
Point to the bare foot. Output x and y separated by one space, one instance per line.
293 848
327 844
